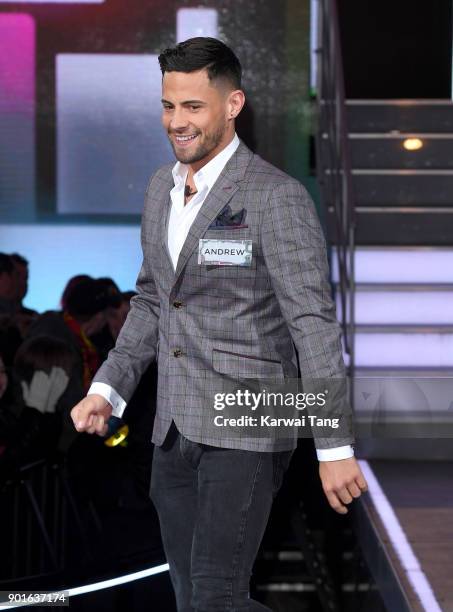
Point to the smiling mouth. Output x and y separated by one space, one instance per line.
183 140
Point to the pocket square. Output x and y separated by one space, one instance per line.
225 219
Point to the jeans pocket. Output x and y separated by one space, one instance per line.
190 451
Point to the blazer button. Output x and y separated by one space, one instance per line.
177 352
177 304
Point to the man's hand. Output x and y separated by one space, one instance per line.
342 481
91 414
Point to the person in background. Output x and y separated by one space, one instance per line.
43 366
10 338
118 316
7 285
72 282
24 316
104 340
84 316
9 414
10 397
31 419
22 273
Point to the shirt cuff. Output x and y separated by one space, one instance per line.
109 393
334 454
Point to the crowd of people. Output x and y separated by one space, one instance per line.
47 362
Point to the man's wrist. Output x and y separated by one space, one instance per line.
110 395
335 454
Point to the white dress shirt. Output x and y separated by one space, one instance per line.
183 215
181 218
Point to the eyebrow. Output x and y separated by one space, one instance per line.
186 102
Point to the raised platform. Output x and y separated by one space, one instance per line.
405 526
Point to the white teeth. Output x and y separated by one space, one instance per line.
185 138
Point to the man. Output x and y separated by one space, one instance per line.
22 274
24 316
206 321
7 285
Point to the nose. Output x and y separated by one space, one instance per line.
178 119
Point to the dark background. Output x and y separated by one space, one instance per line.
396 49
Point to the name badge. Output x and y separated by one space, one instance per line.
212 252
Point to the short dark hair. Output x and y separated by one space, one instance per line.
203 52
89 297
42 353
19 259
6 264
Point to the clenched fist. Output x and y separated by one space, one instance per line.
91 415
342 481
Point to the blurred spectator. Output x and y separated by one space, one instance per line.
21 271
43 366
84 315
116 314
72 282
9 413
31 421
10 338
24 316
7 285
117 317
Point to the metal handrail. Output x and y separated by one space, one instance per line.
333 162
39 498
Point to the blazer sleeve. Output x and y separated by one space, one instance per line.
295 254
136 346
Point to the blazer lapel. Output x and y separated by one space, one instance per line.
163 230
221 193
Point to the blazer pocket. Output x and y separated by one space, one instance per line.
238 365
220 228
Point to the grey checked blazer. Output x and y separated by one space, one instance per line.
205 323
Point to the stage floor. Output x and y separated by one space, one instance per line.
421 496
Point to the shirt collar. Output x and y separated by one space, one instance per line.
209 173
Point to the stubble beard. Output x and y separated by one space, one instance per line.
204 148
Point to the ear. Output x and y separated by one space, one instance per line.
236 101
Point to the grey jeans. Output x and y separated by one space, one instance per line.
213 506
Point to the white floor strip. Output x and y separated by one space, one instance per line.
400 542
104 584
400 265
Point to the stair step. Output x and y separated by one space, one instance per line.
400 264
381 151
403 115
399 226
416 288
404 346
417 305
400 187
403 328
402 372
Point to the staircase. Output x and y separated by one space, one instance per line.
403 262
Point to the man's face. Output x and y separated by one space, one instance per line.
197 116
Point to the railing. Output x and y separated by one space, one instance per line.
38 510
333 162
